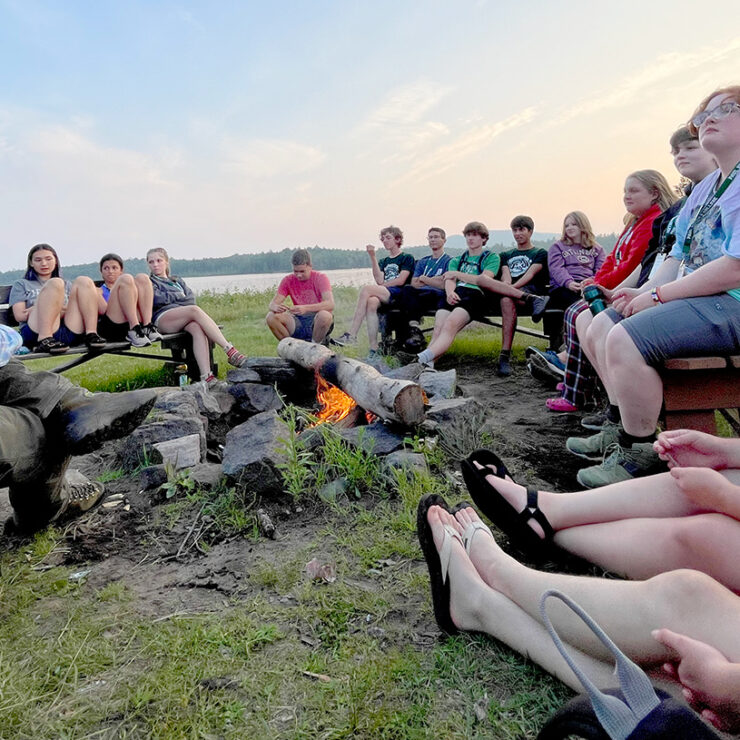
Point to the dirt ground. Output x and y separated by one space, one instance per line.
136 544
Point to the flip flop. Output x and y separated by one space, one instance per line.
513 523
437 561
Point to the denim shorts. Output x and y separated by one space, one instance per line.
304 327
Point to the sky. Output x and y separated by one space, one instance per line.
215 128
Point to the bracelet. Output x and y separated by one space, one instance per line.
655 295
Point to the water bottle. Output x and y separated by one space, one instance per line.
595 298
181 371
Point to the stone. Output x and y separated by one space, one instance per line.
176 402
451 411
405 460
206 475
376 438
183 452
139 444
253 451
254 398
412 371
152 476
438 384
243 375
206 402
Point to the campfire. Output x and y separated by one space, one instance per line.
335 403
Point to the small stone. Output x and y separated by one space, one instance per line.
404 460
243 375
183 452
152 477
438 384
333 490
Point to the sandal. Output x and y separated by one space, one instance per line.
51 346
514 524
437 561
475 478
94 341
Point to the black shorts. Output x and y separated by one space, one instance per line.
477 303
112 331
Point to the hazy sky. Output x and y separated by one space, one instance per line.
212 128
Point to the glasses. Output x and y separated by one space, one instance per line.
721 111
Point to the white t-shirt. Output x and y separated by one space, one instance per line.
718 233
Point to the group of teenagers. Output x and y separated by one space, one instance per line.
54 313
673 536
672 285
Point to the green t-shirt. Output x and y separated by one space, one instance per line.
486 261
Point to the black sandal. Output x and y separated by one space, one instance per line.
513 523
94 340
51 346
437 572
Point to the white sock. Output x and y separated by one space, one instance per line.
425 357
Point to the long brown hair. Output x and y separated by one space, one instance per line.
587 233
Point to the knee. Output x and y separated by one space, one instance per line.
323 317
54 285
127 280
193 327
270 319
372 303
694 535
683 589
620 348
83 282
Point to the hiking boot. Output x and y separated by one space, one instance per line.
539 304
137 337
622 463
504 367
595 421
79 494
595 446
89 419
345 339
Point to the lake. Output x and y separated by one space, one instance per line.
354 277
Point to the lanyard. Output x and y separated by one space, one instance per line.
704 210
430 273
623 239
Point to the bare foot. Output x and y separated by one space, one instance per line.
516 495
465 582
484 552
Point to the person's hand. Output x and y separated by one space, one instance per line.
298 310
705 675
278 308
640 303
688 448
370 249
705 487
573 286
621 297
608 293
453 298
587 281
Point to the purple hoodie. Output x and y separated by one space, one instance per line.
568 262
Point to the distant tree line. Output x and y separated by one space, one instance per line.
265 262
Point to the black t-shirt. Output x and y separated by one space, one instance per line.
520 260
392 267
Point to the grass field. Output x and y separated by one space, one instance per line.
290 659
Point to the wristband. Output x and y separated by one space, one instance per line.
655 295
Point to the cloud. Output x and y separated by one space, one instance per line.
633 89
469 142
266 158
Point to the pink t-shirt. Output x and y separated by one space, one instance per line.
304 292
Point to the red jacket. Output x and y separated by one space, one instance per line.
626 256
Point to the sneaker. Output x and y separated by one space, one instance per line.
595 446
541 370
137 338
235 358
94 340
539 304
595 421
548 359
504 367
151 333
622 464
79 494
345 339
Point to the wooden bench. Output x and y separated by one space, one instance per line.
179 344
694 387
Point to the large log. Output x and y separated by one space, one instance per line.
389 398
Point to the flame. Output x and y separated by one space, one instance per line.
335 403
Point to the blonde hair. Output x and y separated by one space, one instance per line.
163 252
587 233
652 180
732 90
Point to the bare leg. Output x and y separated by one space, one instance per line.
282 325
122 302
638 387
439 321
45 315
81 315
177 319
508 322
371 321
452 325
366 292
593 331
321 325
627 610
145 293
